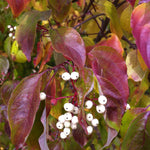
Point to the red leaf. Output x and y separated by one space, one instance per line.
18 6
7 89
26 31
113 41
47 55
110 70
22 107
132 2
68 41
141 30
40 50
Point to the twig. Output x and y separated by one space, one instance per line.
95 16
131 44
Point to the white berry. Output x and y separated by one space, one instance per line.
59 125
14 27
89 117
74 75
61 119
13 37
63 135
89 130
128 107
95 122
75 110
11 29
74 120
88 104
10 34
66 76
9 26
67 131
102 100
67 124
68 106
100 109
73 126
68 116
42 96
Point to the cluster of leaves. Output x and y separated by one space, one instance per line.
107 42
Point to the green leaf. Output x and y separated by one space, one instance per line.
137 136
26 31
22 107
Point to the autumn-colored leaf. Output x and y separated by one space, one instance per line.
68 41
26 31
6 90
4 66
112 41
132 2
18 6
22 108
40 51
47 55
137 136
110 70
141 30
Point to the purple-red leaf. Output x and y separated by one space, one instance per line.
68 41
137 136
7 89
141 30
26 31
79 136
110 70
17 6
22 107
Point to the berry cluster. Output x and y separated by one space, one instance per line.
11 31
67 120
99 108
67 76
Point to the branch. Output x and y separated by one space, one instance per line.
131 44
95 16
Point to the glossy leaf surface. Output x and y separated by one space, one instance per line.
137 136
17 6
68 41
141 30
26 31
22 108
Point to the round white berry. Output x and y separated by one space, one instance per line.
61 118
75 110
95 122
128 107
74 75
13 37
89 129
66 76
11 29
67 124
68 116
100 109
63 135
59 125
14 27
74 120
73 126
68 106
102 100
88 104
67 131
89 117
9 26
10 34
42 96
